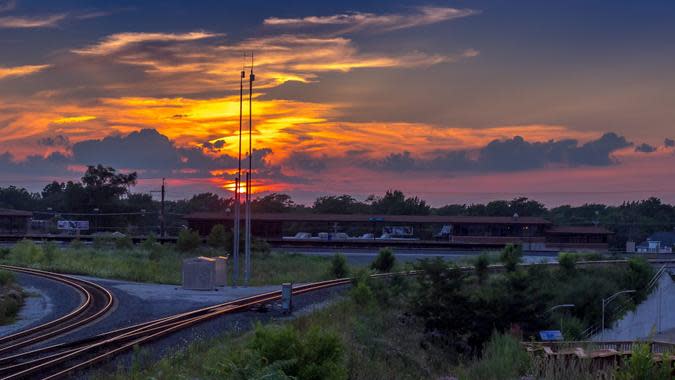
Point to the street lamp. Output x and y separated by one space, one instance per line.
561 306
606 301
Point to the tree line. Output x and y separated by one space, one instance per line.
103 190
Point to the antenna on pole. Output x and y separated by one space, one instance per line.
249 175
237 182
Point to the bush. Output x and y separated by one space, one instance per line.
503 358
6 278
124 242
481 267
316 355
149 243
567 262
385 260
642 366
338 266
4 252
511 256
362 294
217 237
76 244
49 248
188 241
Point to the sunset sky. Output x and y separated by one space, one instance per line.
451 101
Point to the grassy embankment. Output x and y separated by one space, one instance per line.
11 298
404 328
156 263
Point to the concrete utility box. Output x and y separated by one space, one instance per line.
199 273
221 270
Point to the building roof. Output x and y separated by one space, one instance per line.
665 237
20 213
306 217
579 230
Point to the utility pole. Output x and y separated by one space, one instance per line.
247 251
237 181
162 216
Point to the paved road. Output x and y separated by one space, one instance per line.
366 256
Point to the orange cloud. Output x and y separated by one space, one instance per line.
119 41
74 119
12 22
18 71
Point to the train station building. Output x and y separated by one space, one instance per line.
299 229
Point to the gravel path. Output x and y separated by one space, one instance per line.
45 300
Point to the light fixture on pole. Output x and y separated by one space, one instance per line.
605 302
561 306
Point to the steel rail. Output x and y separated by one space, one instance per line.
121 340
97 301
116 341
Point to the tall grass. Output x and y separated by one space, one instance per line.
153 262
11 297
503 359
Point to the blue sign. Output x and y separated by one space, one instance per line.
550 335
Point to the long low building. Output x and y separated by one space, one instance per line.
14 222
534 233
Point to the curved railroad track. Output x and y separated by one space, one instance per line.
61 360
96 302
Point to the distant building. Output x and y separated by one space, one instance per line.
14 222
532 233
659 242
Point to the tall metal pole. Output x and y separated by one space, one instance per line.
249 175
162 227
237 181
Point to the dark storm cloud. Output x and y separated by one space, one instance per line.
305 161
146 150
56 141
511 155
645 148
55 164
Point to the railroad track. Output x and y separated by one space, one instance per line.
96 302
61 360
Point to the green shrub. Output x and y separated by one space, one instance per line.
4 252
567 262
385 260
124 242
481 266
149 243
100 242
6 278
316 355
49 248
362 295
511 256
642 366
76 244
572 328
217 237
188 241
504 358
261 248
27 252
338 266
